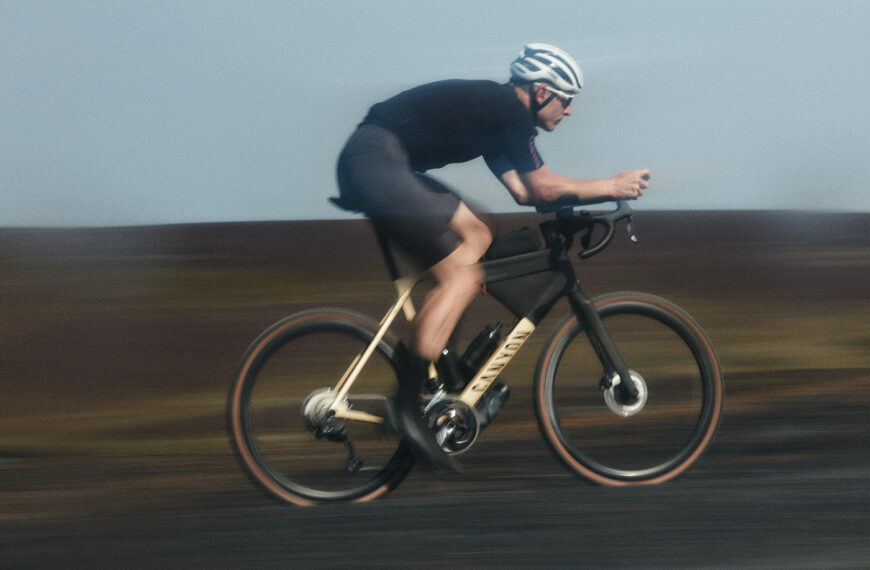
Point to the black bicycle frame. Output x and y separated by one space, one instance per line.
530 284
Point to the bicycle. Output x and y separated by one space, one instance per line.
627 390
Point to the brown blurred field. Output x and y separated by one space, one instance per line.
118 345
125 340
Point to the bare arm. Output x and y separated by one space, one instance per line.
541 185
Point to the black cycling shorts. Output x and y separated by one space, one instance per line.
414 210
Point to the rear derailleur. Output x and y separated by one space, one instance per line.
324 425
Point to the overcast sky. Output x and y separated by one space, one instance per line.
149 112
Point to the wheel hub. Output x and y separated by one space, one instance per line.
315 411
615 402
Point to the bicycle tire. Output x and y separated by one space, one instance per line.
295 359
683 381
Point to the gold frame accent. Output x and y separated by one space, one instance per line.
472 393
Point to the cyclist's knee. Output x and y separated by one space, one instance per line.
475 241
475 234
480 239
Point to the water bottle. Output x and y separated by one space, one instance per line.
477 352
480 349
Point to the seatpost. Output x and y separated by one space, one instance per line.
389 259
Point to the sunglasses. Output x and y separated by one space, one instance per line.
565 100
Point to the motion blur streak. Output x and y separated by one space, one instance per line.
117 349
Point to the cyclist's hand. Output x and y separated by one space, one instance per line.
629 185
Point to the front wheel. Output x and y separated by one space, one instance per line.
279 419
647 441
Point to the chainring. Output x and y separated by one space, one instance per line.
455 424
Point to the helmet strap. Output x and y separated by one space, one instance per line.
535 106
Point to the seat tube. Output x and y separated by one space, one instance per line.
601 340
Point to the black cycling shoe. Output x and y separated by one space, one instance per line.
413 372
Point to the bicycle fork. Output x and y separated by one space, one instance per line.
602 343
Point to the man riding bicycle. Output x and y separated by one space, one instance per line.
381 173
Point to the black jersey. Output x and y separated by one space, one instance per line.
455 120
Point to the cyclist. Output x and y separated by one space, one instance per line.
381 173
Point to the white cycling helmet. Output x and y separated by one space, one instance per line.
548 64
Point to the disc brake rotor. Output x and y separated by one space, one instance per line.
614 401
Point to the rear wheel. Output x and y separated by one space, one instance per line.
652 439
279 415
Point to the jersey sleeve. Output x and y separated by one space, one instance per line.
518 153
498 164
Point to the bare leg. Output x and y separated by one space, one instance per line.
458 280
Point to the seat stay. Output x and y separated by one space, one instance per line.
404 287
